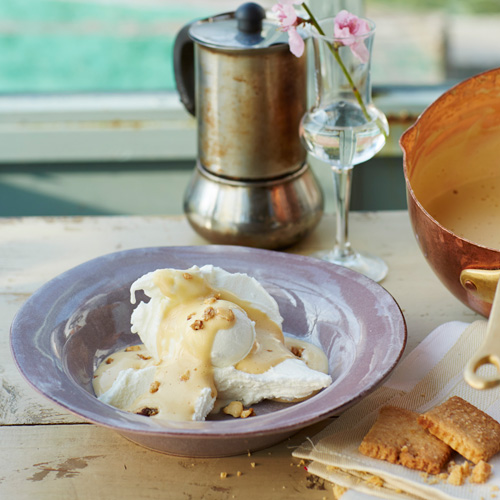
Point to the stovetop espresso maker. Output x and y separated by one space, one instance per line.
252 185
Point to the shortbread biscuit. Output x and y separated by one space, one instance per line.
397 438
468 430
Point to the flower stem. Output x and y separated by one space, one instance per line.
335 51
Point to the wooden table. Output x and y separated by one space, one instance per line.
47 453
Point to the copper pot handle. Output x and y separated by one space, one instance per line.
485 284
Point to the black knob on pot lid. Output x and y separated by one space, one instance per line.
250 16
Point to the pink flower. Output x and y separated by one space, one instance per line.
349 28
289 22
296 43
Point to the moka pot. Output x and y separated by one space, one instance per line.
252 185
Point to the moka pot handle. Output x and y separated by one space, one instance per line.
184 70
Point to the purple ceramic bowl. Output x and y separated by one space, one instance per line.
66 328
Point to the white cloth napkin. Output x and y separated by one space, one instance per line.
429 375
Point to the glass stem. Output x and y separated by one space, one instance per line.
342 190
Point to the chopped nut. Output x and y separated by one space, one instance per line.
208 313
297 351
185 377
226 314
144 357
187 276
154 386
109 361
223 475
234 408
247 413
148 412
212 299
133 348
197 325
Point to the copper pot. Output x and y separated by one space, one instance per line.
452 145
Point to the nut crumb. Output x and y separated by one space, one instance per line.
197 325
186 376
142 356
190 316
297 351
187 276
133 348
223 475
239 473
154 386
234 408
226 314
247 413
208 313
147 412
253 465
109 361
212 299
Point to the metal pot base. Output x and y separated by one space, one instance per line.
268 214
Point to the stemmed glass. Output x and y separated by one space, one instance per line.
344 128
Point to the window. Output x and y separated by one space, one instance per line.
90 80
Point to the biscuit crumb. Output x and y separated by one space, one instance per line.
109 361
456 477
154 386
144 357
338 491
247 413
186 376
481 473
187 276
376 481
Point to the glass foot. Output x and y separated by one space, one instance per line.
371 266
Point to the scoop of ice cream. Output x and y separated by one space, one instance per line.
168 288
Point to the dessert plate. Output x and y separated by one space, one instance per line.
74 321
